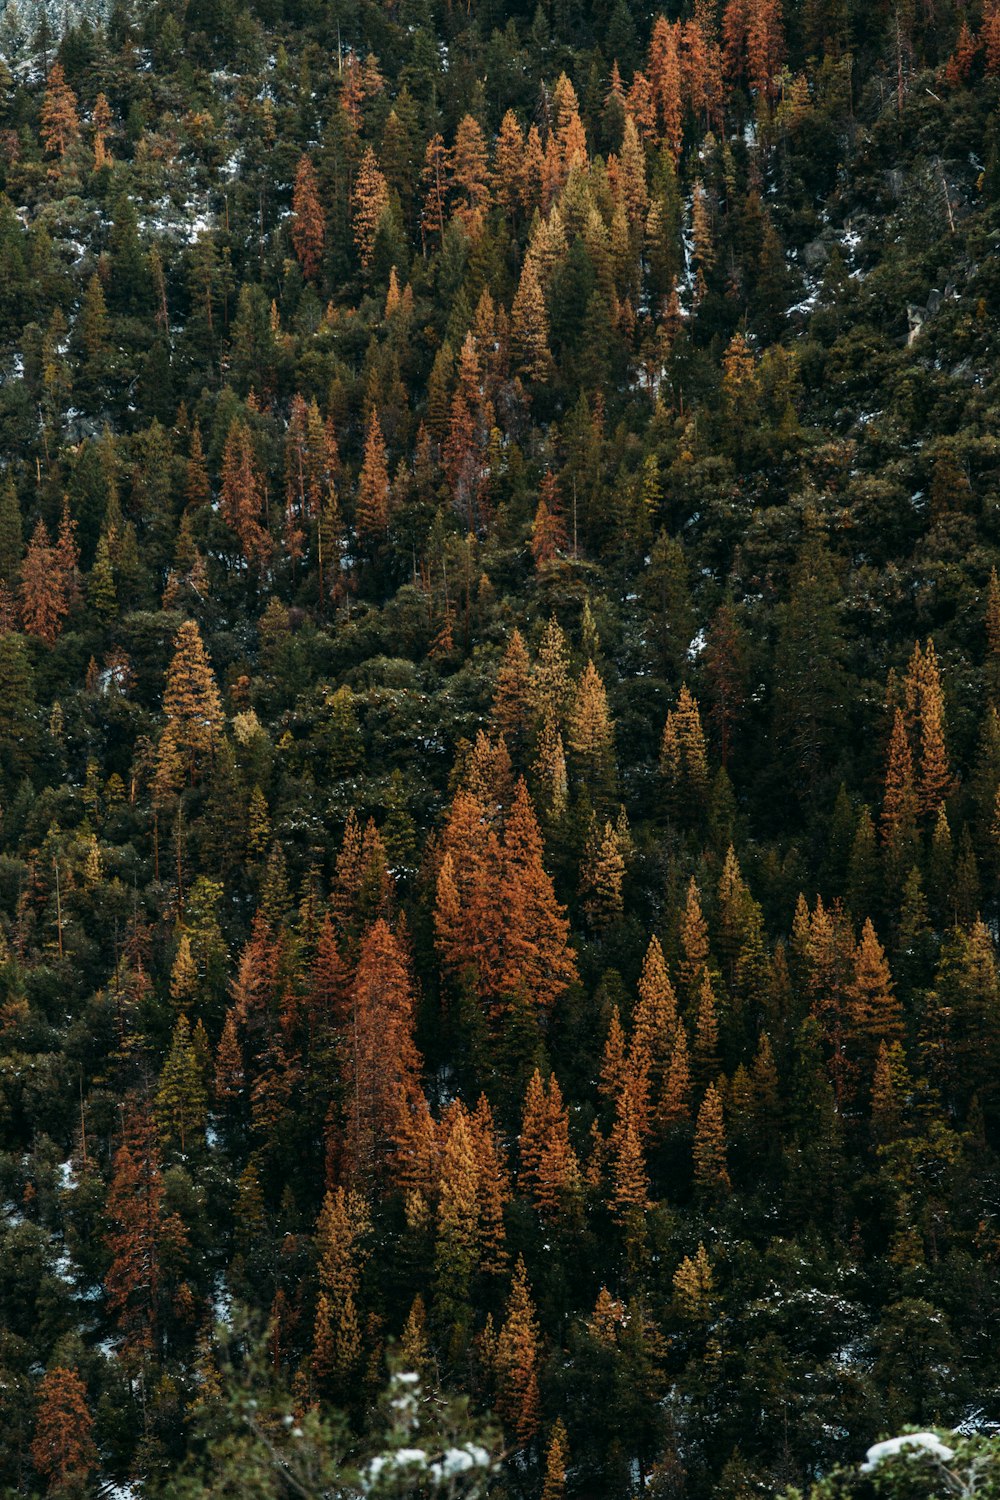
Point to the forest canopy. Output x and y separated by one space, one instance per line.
499 748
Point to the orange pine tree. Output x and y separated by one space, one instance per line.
308 220
556 1459
191 704
470 173
508 178
241 496
494 1188
711 1173
371 515
529 327
43 599
876 1014
380 1063
511 711
63 1450
674 1105
629 1178
60 123
518 1399
436 177
369 201
550 1171
140 1231
101 121
664 73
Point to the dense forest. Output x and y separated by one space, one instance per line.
499 747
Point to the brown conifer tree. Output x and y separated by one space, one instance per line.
101 122
629 1178
379 1061
512 702
371 514
508 178
470 174
664 73
191 703
60 123
308 220
493 1188
369 201
694 945
43 600
140 1231
674 1105
63 1450
550 1170
436 177
876 1014
711 1174
591 732
556 1459
241 494
518 1399
529 327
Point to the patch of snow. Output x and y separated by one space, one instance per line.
920 1442
222 1302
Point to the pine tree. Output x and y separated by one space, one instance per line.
436 178
371 515
711 1173
11 535
191 703
63 1450
899 804
470 173
241 494
591 733
180 1098
991 664
229 1073
556 1459
43 598
493 1189
511 712
369 201
629 1178
693 1286
550 1170
934 782
380 1064
101 123
674 1105
529 328
655 1017
309 224
694 944
613 1062
551 690
341 1232
875 1011
508 179
140 1231
765 44
664 74
602 877
518 1399
683 757
457 1234
60 123
705 1054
